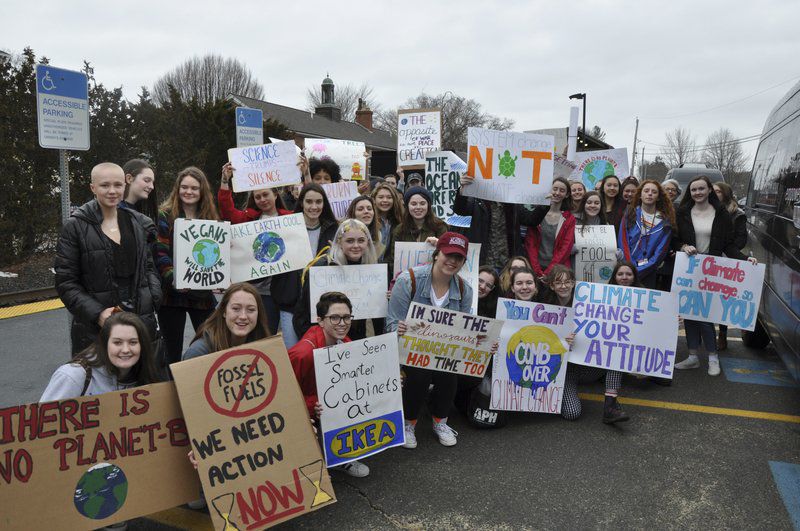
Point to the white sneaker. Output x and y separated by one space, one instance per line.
447 435
692 362
411 438
713 366
357 469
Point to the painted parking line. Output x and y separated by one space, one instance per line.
711 410
183 518
33 307
761 372
787 479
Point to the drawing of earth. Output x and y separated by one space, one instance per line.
206 252
594 172
268 247
101 491
532 372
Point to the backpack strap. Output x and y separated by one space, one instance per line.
88 379
413 283
322 252
460 285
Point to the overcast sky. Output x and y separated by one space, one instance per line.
666 62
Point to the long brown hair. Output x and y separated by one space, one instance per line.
397 210
251 200
505 274
601 216
429 222
217 330
374 227
206 208
688 202
728 197
663 204
566 203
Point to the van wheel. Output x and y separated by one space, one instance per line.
758 338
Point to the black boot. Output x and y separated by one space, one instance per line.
612 413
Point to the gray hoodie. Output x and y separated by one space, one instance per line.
68 381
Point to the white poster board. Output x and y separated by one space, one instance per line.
595 252
340 195
364 285
202 254
264 166
358 385
412 254
625 329
509 167
348 154
592 166
530 366
715 289
443 171
268 247
419 132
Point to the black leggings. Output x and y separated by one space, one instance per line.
415 391
173 321
571 404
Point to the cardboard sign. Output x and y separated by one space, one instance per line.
412 254
340 195
625 329
202 254
715 289
419 132
348 154
596 252
509 167
592 166
264 166
446 340
443 170
269 246
259 461
364 285
93 461
361 397
530 367
562 167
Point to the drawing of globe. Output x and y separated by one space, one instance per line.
268 247
101 491
594 172
540 339
206 252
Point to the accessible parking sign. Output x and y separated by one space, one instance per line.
62 98
249 127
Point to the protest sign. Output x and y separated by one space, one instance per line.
258 457
592 166
264 166
340 195
596 252
625 329
269 246
202 254
297 149
412 254
509 167
530 366
361 397
364 285
348 154
562 167
446 340
459 221
419 132
443 170
88 462
715 289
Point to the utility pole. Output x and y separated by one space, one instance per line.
633 157
644 166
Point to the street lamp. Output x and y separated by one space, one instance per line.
581 96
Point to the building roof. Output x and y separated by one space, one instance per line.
308 124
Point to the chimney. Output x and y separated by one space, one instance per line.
364 114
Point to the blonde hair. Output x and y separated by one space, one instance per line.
336 253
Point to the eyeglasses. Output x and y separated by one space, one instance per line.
564 283
485 284
337 319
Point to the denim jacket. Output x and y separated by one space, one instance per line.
401 300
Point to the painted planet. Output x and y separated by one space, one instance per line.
268 247
534 357
206 252
101 491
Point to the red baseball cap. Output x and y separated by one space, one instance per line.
453 243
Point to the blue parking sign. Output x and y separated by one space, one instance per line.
62 105
249 127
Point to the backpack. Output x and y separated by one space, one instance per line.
478 411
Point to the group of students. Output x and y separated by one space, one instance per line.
115 273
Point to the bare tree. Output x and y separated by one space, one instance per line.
723 152
597 132
681 147
458 114
346 98
207 79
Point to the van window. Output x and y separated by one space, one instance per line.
776 169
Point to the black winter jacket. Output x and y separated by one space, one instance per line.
722 235
85 277
479 230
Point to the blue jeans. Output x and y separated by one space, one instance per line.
290 338
697 331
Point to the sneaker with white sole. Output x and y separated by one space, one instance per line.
447 435
692 362
410 436
713 367
356 469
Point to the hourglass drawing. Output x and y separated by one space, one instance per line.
313 473
223 504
